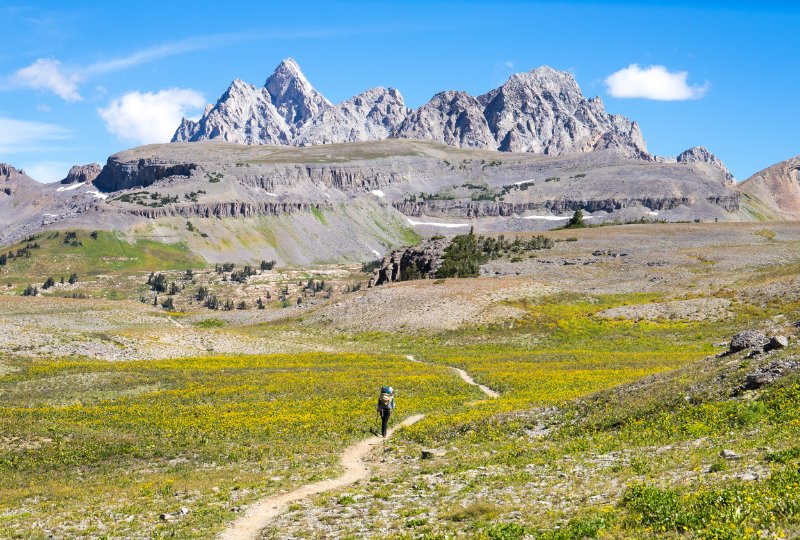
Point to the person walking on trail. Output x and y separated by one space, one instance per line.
385 407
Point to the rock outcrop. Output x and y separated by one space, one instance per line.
118 175
748 339
700 154
777 187
84 174
768 374
541 111
420 261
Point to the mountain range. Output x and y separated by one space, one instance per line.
541 111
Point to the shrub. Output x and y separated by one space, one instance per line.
462 258
576 221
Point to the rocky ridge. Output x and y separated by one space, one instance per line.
700 154
541 111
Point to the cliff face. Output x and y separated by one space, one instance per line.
118 175
560 206
542 111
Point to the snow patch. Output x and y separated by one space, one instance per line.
433 224
97 194
547 218
378 193
523 182
377 253
271 194
653 213
553 218
70 187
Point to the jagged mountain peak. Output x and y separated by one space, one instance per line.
289 70
293 96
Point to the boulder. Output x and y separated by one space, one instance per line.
748 339
778 342
770 373
729 455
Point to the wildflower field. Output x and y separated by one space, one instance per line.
95 448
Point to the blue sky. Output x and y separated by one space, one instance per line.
82 80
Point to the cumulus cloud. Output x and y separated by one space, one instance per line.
47 74
653 82
147 118
18 136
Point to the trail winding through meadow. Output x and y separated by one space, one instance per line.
259 514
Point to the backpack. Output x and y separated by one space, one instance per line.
385 401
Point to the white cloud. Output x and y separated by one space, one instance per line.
47 171
653 82
25 136
509 64
46 74
43 108
147 118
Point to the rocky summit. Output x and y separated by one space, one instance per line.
542 111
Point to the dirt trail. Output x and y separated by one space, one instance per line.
259 514
467 379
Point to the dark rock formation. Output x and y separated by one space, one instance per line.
748 339
118 175
82 173
226 210
421 261
562 205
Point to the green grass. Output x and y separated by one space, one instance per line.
109 252
318 214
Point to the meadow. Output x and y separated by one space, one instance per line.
94 448
605 427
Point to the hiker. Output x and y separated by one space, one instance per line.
385 406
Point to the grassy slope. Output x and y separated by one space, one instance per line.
106 254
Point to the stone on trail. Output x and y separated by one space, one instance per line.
729 455
748 339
